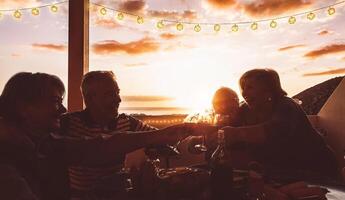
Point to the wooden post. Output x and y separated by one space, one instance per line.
78 50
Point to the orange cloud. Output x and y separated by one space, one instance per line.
187 14
133 6
168 36
328 72
330 49
106 23
324 32
222 4
53 47
144 45
291 47
266 8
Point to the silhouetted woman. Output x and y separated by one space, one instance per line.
277 129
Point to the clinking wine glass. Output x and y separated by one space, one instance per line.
221 120
199 118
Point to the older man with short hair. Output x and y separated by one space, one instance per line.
101 95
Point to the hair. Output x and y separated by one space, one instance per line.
268 77
225 91
94 77
26 88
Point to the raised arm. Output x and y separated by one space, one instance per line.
256 134
102 150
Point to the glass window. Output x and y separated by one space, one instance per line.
35 40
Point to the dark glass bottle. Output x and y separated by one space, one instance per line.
221 171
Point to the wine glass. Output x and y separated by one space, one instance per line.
221 120
200 118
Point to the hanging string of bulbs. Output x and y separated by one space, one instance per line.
254 25
180 24
35 11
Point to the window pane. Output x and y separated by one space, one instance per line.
182 69
33 43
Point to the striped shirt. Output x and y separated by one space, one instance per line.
79 125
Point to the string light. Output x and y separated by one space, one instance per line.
197 28
311 16
273 24
254 26
216 27
234 28
17 14
331 10
54 8
120 16
103 11
292 20
35 11
179 27
140 20
160 24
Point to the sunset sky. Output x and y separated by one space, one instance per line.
163 71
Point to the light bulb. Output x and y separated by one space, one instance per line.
216 27
17 14
179 27
292 20
103 11
120 16
254 26
35 11
140 20
54 8
311 16
331 11
273 24
197 28
234 28
160 24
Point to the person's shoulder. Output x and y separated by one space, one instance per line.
124 116
78 117
289 107
76 114
287 103
69 119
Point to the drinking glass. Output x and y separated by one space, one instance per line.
200 118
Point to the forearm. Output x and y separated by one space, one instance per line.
103 150
249 134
